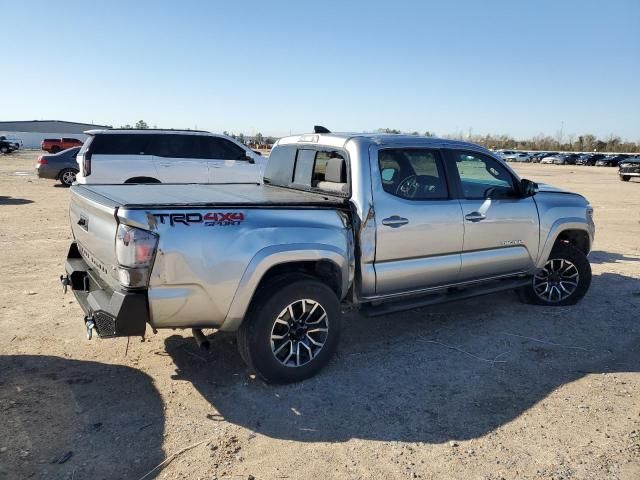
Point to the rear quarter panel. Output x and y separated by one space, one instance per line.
205 271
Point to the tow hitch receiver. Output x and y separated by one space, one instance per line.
90 324
108 312
65 281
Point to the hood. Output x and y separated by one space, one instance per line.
544 189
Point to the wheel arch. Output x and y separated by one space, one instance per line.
327 263
573 231
142 180
576 237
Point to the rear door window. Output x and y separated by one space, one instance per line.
176 146
413 173
221 149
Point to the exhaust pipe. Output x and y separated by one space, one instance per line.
201 339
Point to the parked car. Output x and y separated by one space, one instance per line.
16 142
550 159
518 157
628 168
363 220
567 159
55 145
610 161
166 156
7 146
504 153
537 156
60 166
589 159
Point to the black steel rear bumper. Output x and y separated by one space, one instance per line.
115 312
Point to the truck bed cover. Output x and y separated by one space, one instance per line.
194 195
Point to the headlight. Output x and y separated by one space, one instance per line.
135 251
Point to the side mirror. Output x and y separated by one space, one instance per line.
528 188
257 152
247 158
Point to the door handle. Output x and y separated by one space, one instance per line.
394 221
165 164
474 217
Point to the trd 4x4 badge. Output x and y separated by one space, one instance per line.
210 219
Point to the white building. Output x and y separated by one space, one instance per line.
31 132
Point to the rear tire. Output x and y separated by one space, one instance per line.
291 329
564 280
625 178
67 176
4 150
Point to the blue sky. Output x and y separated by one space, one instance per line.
514 67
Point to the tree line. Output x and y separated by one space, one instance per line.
559 142
257 139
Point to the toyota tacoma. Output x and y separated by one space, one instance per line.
379 222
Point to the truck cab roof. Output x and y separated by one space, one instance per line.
339 140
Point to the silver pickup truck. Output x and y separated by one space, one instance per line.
380 222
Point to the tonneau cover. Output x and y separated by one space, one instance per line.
164 194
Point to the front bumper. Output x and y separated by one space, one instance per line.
629 172
115 312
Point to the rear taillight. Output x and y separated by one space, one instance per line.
135 251
42 161
86 163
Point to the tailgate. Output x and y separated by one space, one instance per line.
94 226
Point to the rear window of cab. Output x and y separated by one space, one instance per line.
299 166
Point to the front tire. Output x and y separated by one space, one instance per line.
625 178
564 280
289 335
4 150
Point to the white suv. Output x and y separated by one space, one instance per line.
166 156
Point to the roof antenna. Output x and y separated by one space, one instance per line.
320 129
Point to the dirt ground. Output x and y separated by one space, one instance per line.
488 388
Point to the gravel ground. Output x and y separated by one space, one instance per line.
488 388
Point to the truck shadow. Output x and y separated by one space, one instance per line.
14 201
599 257
455 371
76 419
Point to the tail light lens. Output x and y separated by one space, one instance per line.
42 161
135 251
86 164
